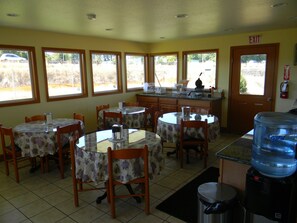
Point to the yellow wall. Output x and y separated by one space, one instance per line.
287 39
10 116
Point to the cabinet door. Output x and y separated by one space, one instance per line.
168 104
148 101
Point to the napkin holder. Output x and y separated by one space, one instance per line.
186 111
117 132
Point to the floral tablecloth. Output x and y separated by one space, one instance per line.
91 155
39 139
133 117
169 126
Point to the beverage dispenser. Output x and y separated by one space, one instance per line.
274 144
271 182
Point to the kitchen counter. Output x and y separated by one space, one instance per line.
239 151
173 102
235 162
181 96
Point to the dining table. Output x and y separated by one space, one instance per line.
38 138
133 116
168 127
91 156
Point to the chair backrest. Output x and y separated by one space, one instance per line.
110 118
157 114
197 125
98 109
35 118
79 116
136 104
7 139
148 118
70 130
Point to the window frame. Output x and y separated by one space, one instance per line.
82 62
145 56
118 69
152 66
185 64
33 74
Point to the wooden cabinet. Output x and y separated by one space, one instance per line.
148 101
168 104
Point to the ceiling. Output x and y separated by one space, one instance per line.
149 20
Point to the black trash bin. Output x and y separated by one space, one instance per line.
216 202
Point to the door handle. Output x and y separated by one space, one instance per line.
269 99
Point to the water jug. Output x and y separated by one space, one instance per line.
274 144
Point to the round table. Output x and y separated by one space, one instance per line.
169 126
133 117
38 138
91 154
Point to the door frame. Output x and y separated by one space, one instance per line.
275 75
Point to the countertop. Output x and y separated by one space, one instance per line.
181 96
239 151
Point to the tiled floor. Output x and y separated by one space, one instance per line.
46 198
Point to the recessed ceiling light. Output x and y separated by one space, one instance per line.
91 16
12 14
279 5
181 16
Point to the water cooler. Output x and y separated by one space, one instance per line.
271 182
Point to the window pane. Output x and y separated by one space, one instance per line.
203 65
165 68
135 71
17 75
64 73
105 71
252 74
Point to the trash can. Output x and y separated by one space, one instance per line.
216 202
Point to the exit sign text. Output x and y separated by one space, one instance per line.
254 39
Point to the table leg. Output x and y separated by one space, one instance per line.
174 151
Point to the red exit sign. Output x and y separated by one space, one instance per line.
254 39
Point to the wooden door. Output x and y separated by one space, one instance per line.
252 84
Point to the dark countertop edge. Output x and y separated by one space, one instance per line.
243 156
179 97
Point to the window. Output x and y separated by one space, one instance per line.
18 76
252 74
203 65
135 71
64 73
165 67
106 78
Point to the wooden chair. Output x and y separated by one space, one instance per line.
126 154
134 104
79 116
187 142
35 118
76 182
157 114
116 117
12 154
63 133
149 120
98 109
